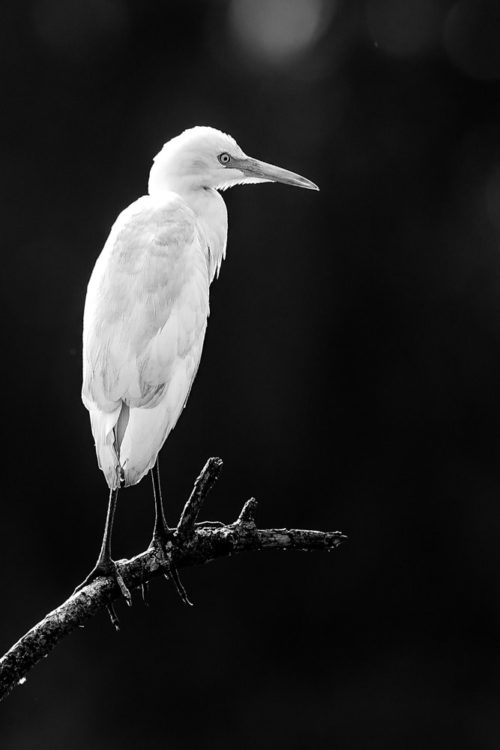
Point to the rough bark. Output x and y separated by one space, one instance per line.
189 544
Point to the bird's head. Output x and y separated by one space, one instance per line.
203 157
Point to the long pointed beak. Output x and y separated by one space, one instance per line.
262 171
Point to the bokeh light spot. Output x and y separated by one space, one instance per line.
278 31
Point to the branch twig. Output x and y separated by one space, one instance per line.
192 544
202 486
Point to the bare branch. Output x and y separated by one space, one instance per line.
202 486
203 543
247 514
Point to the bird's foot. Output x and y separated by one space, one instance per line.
107 569
145 593
162 548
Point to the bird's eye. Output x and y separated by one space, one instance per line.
224 158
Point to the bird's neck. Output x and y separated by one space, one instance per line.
211 215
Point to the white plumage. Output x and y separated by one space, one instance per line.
147 302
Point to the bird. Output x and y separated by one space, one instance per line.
146 312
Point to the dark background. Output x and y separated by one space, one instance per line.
350 377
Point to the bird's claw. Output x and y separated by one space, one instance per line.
163 554
145 593
113 617
107 569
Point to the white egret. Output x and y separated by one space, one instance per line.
147 307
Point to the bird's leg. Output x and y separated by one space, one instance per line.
160 529
161 541
105 565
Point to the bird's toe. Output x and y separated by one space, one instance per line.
106 569
163 553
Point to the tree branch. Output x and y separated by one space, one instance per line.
202 486
191 543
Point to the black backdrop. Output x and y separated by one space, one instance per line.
349 378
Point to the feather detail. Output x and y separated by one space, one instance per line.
144 324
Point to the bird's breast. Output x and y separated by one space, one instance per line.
146 307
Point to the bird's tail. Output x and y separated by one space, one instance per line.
103 429
147 430
127 440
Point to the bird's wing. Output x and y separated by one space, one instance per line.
144 323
